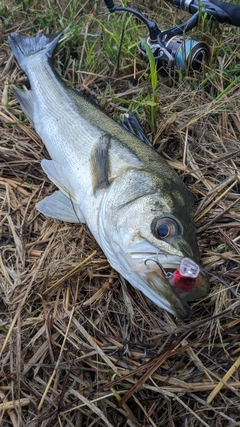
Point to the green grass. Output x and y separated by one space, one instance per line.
108 45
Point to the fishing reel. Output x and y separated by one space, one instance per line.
178 52
171 48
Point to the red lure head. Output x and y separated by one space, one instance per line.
185 277
182 282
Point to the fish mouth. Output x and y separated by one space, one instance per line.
156 271
199 289
170 300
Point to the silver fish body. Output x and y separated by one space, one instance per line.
134 203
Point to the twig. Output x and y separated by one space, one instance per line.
225 378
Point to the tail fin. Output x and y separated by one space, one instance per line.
23 46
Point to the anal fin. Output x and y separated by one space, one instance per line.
25 99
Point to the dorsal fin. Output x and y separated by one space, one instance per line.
132 125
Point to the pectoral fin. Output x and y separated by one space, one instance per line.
60 207
25 99
99 163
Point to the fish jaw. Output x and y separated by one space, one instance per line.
170 301
142 271
150 280
159 268
163 294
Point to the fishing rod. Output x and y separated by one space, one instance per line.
171 48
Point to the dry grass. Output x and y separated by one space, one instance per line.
79 346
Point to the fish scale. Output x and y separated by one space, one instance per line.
47 125
111 178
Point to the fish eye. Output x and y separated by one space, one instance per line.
165 227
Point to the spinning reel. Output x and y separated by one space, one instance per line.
171 48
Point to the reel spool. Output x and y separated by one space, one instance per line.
184 54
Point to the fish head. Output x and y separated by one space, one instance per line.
150 238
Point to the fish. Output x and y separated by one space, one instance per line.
111 178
